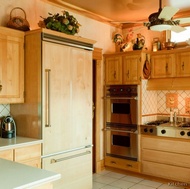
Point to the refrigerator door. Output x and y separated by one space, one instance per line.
67 97
75 169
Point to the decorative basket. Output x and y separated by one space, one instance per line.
18 22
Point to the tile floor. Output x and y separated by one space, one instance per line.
112 180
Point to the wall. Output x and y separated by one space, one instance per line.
154 103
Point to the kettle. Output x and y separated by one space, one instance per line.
8 127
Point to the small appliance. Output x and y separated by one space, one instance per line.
8 127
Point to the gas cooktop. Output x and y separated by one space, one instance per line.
166 129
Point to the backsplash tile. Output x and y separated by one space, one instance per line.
154 102
4 110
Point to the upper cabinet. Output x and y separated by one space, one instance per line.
124 68
11 66
162 65
183 64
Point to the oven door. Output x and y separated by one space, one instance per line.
122 144
121 110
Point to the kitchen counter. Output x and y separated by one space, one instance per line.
19 176
16 142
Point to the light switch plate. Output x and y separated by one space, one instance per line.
171 100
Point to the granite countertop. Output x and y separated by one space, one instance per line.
20 176
17 142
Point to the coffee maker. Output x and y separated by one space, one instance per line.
8 127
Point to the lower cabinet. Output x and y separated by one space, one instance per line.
75 168
28 155
166 158
122 164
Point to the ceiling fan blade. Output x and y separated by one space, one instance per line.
177 29
183 20
167 13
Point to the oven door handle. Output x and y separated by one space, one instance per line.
127 98
122 131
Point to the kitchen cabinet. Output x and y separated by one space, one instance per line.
11 66
58 100
162 65
113 67
7 154
169 157
183 64
124 68
122 164
29 155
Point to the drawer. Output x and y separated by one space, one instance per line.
122 164
166 158
166 171
33 162
7 154
28 152
168 145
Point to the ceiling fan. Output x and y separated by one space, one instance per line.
162 20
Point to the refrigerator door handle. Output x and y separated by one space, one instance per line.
70 157
47 99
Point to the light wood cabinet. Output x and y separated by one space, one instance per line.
124 68
113 67
7 154
29 155
183 64
162 65
169 157
131 69
122 164
11 66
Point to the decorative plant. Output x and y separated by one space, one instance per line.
65 23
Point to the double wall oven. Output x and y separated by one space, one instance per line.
121 119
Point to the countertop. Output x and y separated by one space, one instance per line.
17 142
20 176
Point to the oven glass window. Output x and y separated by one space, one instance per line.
121 108
119 140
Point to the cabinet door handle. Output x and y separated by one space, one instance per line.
183 66
128 73
166 67
47 93
1 87
114 75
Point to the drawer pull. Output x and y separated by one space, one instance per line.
1 86
129 165
113 162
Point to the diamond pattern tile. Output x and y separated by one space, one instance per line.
154 102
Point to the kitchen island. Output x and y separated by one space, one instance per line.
15 175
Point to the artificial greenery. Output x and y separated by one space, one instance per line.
65 23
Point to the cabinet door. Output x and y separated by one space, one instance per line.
76 169
113 68
11 66
163 66
131 69
183 64
67 81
